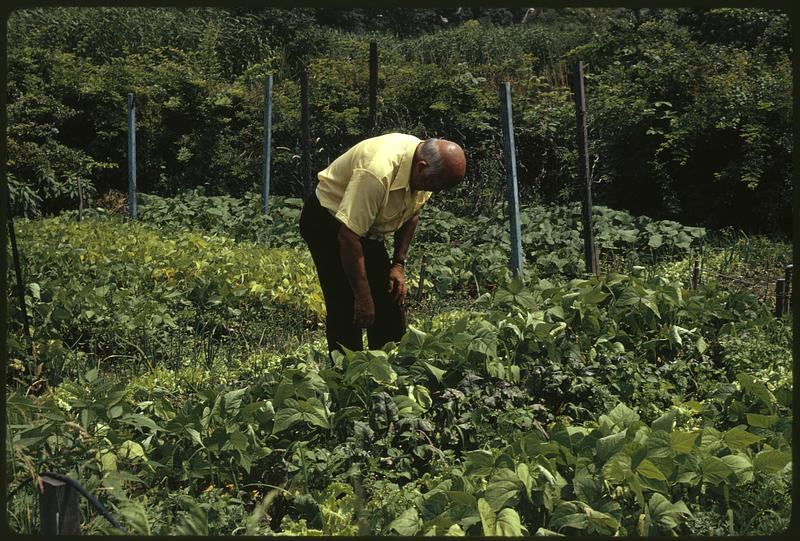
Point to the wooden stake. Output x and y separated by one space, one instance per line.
305 135
58 508
589 248
422 270
80 198
373 87
787 293
780 287
267 148
131 157
12 237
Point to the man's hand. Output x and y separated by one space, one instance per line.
363 312
397 284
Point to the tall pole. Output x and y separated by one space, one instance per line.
589 251
787 293
373 87
80 197
510 155
266 155
18 271
305 135
131 157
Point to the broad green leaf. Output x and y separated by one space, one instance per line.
622 415
600 523
651 304
702 345
715 471
479 462
437 373
753 387
139 421
285 418
594 295
618 468
740 439
683 442
408 523
233 400
508 523
130 449
740 465
665 422
504 487
422 396
761 421
608 445
568 515
655 241
381 371
108 460
195 435
488 517
649 470
666 514
771 460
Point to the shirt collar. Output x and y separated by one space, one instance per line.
403 176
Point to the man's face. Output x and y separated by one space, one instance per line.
421 181
433 184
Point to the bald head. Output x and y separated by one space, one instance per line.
437 165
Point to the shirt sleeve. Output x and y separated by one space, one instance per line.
361 201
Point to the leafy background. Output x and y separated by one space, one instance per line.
689 110
176 365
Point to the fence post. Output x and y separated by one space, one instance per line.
510 155
780 286
12 237
589 248
696 272
266 155
305 135
131 156
787 293
422 270
80 198
373 87
59 512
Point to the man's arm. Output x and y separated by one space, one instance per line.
352 255
402 240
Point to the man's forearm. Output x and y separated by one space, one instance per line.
403 236
352 256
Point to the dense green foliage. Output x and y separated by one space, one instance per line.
94 291
689 110
180 374
143 295
487 424
177 365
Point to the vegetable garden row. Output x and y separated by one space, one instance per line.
180 374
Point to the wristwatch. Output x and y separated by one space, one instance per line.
398 261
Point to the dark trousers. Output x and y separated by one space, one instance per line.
320 229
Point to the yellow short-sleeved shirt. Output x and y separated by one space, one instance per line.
367 189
